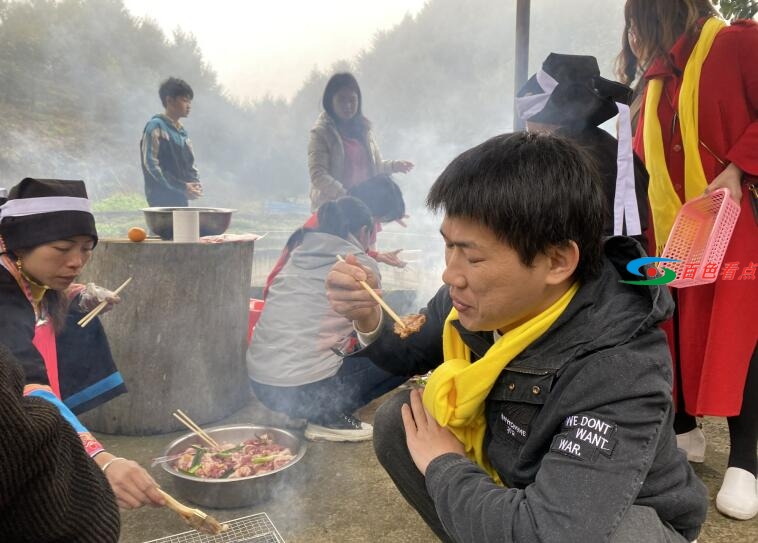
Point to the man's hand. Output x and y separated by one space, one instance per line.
730 178
391 258
426 439
193 190
348 298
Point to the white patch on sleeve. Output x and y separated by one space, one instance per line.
585 437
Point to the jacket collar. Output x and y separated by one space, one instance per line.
169 122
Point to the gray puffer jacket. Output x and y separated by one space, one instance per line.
326 161
579 425
293 338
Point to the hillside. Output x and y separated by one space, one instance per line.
79 78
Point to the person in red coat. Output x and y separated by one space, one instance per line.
714 331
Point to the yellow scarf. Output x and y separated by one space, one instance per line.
457 389
664 201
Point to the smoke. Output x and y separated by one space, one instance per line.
457 91
30 153
75 100
78 81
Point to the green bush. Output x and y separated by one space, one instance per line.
120 202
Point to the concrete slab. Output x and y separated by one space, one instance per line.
339 493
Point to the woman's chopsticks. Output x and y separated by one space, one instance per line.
85 320
379 299
200 521
189 423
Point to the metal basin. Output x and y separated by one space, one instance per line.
213 220
239 492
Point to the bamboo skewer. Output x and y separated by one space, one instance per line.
85 320
189 423
200 521
379 299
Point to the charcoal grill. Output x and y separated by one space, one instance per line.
251 529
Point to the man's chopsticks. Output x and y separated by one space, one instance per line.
378 299
85 320
189 423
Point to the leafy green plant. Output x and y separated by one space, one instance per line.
120 202
737 9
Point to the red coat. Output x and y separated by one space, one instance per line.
716 325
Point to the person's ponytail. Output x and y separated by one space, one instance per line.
344 216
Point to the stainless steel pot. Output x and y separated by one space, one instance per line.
213 220
239 492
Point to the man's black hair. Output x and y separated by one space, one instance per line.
533 191
174 87
382 196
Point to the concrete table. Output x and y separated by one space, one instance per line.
179 335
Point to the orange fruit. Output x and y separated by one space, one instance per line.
137 234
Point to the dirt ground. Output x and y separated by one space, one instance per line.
339 493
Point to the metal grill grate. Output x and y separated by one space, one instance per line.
251 529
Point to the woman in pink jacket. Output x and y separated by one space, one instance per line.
342 151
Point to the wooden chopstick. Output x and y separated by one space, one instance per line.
199 433
174 504
189 423
379 299
199 520
85 320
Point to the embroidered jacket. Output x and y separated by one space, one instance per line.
87 375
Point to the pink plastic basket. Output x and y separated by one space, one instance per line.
699 238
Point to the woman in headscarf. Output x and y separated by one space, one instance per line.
47 234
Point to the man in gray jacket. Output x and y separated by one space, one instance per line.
573 376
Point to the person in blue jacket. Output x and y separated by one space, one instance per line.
168 161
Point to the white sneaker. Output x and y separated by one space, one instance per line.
738 497
343 428
693 443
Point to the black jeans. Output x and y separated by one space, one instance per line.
357 382
639 524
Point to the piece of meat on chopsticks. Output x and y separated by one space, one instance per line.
413 324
